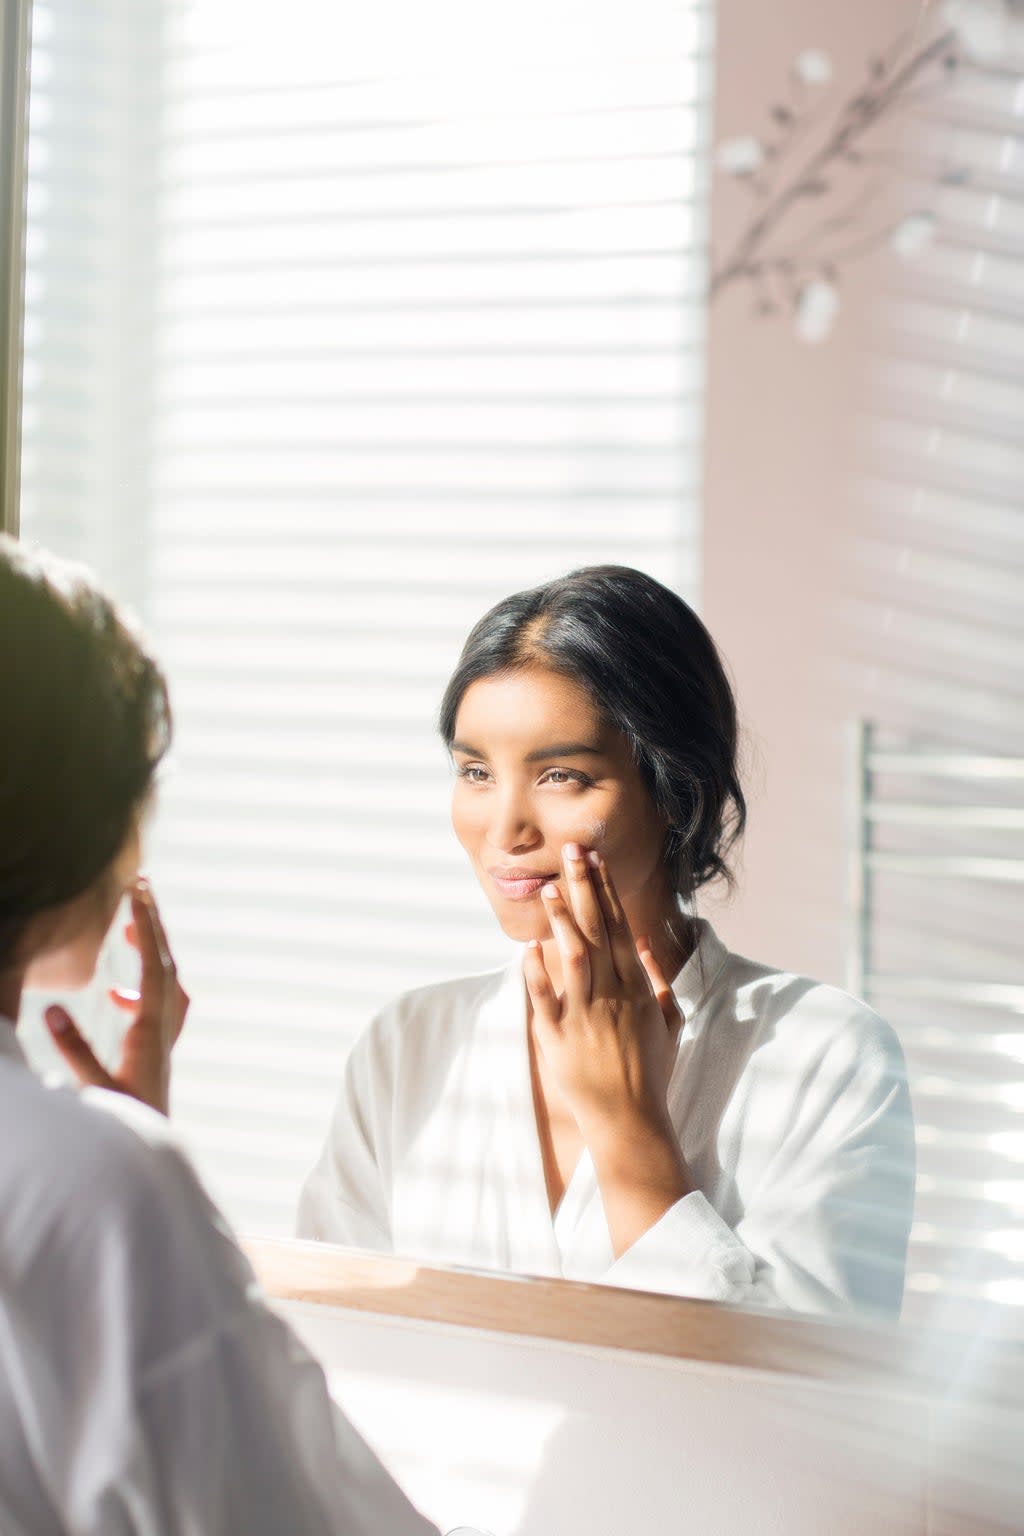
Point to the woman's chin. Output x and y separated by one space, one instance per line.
522 921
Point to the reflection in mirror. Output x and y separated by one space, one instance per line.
652 1110
335 340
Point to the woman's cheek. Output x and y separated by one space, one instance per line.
593 834
70 967
466 817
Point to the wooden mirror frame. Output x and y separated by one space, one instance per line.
845 1351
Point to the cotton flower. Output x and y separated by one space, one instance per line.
987 28
817 306
741 156
813 67
913 234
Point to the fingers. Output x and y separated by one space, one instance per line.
161 989
662 990
547 1007
572 947
620 939
75 1049
127 998
157 966
583 903
182 1002
149 930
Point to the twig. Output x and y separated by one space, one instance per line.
853 121
840 220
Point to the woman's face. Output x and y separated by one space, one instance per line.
537 767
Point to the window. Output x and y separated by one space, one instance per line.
337 331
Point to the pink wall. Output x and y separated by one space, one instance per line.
779 459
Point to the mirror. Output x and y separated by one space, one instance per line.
335 339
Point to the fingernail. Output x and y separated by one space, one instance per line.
550 891
573 851
594 858
57 1020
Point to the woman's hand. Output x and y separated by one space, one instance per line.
158 1015
610 1042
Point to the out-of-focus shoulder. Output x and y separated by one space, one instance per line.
97 1159
103 1187
95 1138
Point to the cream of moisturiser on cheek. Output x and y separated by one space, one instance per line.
594 834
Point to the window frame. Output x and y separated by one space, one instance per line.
15 27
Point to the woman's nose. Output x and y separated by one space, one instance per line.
512 828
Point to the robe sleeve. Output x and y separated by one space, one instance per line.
825 1227
345 1198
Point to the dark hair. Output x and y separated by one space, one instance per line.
84 720
653 670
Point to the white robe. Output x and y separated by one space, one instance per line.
145 1387
789 1099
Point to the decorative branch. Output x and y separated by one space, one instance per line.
855 118
915 68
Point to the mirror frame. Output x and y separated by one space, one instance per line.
844 1351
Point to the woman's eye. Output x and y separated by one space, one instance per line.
472 773
565 776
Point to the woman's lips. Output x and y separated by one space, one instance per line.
519 885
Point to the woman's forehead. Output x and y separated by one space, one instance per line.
528 703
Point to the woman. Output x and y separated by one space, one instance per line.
648 1110
144 1386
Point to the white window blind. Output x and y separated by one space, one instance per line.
384 315
937 628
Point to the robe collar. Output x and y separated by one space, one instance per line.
701 971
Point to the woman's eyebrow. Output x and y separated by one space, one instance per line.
564 749
559 749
